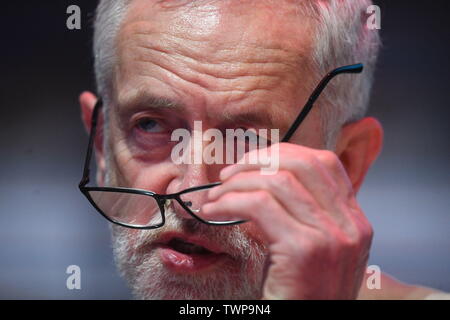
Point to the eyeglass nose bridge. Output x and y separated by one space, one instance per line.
168 203
167 200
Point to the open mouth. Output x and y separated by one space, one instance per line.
187 247
183 256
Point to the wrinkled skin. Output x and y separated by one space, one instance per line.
243 65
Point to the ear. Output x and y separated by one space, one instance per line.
358 146
87 104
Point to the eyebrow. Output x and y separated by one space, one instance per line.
141 99
144 100
258 117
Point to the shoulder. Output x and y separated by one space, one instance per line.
392 289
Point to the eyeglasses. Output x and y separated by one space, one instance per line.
143 209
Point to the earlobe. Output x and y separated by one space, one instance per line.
358 146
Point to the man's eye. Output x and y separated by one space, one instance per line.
149 125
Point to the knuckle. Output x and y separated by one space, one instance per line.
261 197
368 234
329 158
283 180
352 242
365 227
360 237
307 162
228 197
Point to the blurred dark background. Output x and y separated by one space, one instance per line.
46 224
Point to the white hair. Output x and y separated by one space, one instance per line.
341 38
108 18
240 277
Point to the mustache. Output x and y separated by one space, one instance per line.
231 239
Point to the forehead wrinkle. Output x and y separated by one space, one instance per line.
245 51
231 63
267 35
222 75
209 52
209 80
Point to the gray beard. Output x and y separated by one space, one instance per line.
240 277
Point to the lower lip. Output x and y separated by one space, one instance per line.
187 263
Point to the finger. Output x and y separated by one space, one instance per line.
308 171
284 187
259 207
334 165
322 174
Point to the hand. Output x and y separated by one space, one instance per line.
318 237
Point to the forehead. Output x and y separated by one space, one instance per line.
263 22
229 51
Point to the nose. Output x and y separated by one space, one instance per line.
194 175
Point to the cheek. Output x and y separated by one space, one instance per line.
124 240
129 242
125 169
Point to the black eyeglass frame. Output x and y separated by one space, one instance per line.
161 199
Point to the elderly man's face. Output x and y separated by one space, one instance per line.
229 64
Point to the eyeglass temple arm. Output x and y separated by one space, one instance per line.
354 68
85 180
